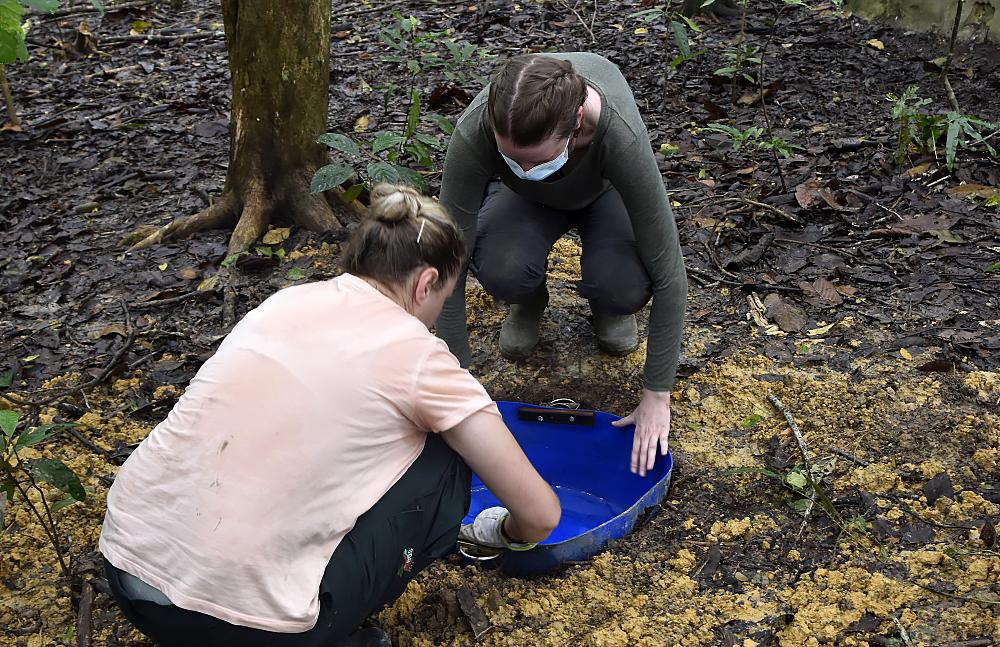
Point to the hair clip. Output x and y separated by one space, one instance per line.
423 221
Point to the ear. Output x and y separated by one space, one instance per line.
426 282
579 117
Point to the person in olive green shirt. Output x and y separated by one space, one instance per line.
555 142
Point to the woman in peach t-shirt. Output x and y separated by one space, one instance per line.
320 458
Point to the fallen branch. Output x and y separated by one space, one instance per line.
163 38
952 596
83 618
781 213
74 11
153 303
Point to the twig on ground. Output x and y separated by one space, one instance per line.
851 457
952 596
163 38
153 303
781 213
73 11
902 632
583 22
805 456
83 618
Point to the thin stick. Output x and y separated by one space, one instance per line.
73 11
802 450
767 207
951 53
163 38
583 22
8 98
952 596
902 631
83 618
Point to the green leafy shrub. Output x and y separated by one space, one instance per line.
921 132
19 476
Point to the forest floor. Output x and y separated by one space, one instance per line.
860 290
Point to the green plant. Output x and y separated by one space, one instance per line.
921 132
679 24
382 155
752 139
12 39
19 476
739 58
424 51
389 156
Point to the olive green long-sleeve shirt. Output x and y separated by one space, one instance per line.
619 156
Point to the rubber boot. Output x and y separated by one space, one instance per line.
520 331
370 637
616 334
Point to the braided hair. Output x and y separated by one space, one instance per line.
533 98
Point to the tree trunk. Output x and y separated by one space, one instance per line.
279 61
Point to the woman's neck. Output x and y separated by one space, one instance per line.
591 117
386 291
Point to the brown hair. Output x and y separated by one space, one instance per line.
534 97
403 231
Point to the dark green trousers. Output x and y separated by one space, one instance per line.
416 522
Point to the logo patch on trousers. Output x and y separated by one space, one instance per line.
407 565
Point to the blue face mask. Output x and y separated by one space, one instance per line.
539 172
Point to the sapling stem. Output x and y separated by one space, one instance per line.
951 53
8 98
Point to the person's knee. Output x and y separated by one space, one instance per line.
621 298
508 276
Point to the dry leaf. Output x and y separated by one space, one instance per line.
276 236
905 354
822 330
946 235
809 192
974 190
789 317
846 290
11 128
711 223
187 273
827 291
919 169
113 329
876 43
209 283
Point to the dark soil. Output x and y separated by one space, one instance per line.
861 291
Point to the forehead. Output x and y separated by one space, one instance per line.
541 152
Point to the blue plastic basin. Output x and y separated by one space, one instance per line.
587 464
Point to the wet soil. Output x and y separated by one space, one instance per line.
871 315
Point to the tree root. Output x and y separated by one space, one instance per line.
250 210
219 214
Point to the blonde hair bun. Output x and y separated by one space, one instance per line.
394 203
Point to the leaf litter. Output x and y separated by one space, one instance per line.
877 280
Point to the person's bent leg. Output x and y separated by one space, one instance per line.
414 523
513 243
614 279
510 259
